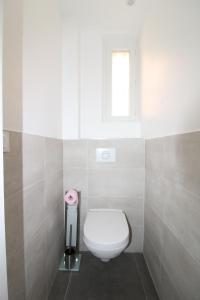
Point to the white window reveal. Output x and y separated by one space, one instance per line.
119 83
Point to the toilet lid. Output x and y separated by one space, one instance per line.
106 226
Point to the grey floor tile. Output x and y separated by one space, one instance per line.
124 278
60 285
117 280
145 277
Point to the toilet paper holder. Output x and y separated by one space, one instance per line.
71 258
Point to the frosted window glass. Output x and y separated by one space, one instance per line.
120 84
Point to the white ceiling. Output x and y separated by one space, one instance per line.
107 14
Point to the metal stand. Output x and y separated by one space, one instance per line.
66 267
71 259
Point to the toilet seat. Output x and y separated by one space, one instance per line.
106 229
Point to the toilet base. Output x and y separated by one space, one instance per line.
105 260
105 256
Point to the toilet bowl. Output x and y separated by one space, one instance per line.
106 233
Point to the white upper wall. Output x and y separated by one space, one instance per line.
170 68
86 23
42 60
32 81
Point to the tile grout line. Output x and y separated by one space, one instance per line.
68 286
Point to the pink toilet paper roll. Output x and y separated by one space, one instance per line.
71 197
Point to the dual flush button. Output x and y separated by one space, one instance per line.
106 155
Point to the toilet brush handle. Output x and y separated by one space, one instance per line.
70 239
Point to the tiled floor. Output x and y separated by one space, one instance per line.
123 278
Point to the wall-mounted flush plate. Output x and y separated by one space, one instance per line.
6 142
106 155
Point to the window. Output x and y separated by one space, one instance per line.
118 80
120 84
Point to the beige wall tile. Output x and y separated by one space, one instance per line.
116 183
33 159
14 222
154 153
76 179
35 266
182 216
34 210
173 197
33 191
135 217
182 269
83 247
136 242
153 261
83 214
75 154
13 165
167 290
53 190
154 229
16 274
123 203
53 156
55 226
155 192
182 164
53 260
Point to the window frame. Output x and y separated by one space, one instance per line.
119 44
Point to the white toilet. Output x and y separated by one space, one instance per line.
106 233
